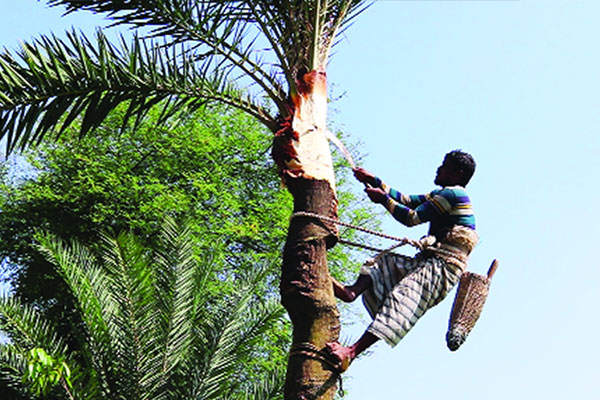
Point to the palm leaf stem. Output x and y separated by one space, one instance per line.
258 112
316 36
229 51
275 46
336 27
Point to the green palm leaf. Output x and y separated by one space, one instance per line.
177 292
271 388
222 340
135 319
290 26
90 287
13 365
27 328
219 337
207 47
52 82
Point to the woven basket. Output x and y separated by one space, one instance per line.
468 304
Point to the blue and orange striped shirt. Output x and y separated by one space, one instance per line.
442 208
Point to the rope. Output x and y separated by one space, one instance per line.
362 246
309 350
419 244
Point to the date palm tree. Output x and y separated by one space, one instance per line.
266 57
147 327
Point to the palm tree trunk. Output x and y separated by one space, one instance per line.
302 153
306 290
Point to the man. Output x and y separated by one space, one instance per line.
398 290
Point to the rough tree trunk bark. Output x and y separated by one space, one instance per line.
302 153
306 290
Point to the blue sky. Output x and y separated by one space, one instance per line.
516 84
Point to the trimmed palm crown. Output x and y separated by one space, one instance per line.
205 47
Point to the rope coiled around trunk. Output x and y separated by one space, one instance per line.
421 244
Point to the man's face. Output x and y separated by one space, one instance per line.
447 174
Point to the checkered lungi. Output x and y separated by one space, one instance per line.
404 288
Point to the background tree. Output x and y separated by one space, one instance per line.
149 328
206 43
125 180
118 181
121 181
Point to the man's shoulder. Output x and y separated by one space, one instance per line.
450 191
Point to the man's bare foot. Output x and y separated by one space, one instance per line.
342 292
344 355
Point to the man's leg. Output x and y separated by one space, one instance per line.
350 293
350 353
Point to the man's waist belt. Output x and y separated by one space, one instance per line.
455 247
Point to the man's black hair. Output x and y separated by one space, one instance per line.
463 161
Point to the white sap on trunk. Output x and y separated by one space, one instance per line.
310 122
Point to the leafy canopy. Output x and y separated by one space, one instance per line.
209 168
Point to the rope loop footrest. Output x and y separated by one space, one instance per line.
309 350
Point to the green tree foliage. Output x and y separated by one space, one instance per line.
209 169
149 327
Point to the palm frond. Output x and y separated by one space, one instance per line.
12 367
259 318
221 339
271 388
52 82
147 332
340 15
27 328
221 26
176 296
91 288
298 31
230 336
135 319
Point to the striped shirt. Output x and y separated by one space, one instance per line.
442 208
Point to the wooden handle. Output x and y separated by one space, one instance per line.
492 269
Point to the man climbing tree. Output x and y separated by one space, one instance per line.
398 289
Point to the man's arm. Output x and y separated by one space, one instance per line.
369 178
410 201
435 204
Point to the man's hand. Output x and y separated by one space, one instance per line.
364 176
376 195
